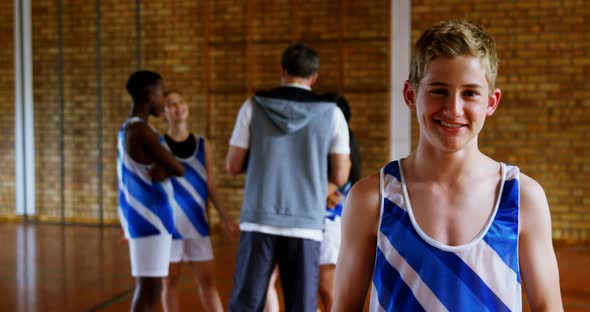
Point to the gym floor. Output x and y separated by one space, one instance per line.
53 267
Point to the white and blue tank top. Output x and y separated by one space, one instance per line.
191 193
145 206
413 272
336 212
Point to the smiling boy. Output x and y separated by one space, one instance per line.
448 228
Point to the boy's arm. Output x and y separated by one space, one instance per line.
334 197
339 168
339 155
235 161
237 155
144 147
356 259
538 264
229 225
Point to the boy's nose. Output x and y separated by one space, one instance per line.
455 106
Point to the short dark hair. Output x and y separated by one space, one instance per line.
299 60
140 83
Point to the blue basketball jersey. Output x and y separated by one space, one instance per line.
145 207
413 272
336 212
191 193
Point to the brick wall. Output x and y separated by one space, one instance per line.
7 181
216 53
47 117
118 57
544 116
246 42
80 110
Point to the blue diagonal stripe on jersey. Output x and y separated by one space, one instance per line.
140 226
392 169
166 214
152 196
504 230
193 211
195 179
441 273
176 234
335 212
389 282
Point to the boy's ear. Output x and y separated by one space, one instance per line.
410 96
493 101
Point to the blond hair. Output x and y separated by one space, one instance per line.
454 38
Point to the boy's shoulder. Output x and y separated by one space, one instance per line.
198 136
532 195
363 202
367 191
138 130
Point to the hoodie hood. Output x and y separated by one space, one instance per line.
290 116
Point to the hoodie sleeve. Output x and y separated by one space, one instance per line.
241 135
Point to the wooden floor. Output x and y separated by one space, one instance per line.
45 267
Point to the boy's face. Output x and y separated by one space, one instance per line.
156 99
452 102
176 108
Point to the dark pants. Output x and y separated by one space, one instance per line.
298 261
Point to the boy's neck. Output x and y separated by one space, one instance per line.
445 167
178 131
141 111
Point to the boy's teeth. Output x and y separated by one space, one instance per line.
450 125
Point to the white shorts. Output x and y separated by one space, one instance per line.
331 242
191 249
150 255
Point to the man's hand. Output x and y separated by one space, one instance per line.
334 199
230 228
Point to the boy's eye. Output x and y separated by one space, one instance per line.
470 93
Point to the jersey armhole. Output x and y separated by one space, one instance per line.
126 125
381 199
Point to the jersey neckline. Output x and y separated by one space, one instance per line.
193 154
437 244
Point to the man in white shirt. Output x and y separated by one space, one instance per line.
283 139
